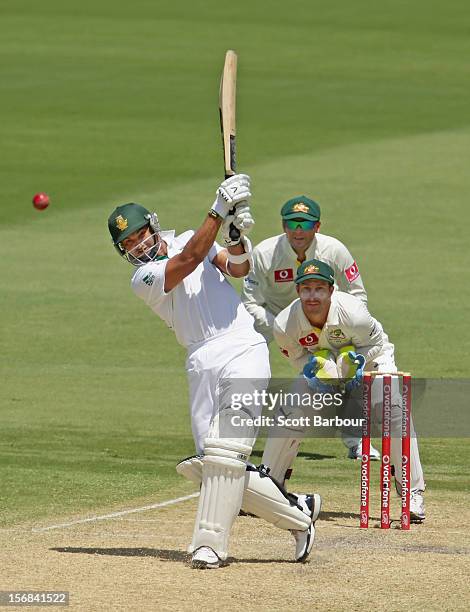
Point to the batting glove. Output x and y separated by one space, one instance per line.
232 191
241 219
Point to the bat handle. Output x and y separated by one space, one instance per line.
234 233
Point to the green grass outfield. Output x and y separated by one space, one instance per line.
362 106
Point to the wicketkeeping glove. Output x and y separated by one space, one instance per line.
231 191
359 362
317 372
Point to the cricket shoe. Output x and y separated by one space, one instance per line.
310 504
355 452
417 511
205 558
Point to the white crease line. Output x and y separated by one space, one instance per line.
104 517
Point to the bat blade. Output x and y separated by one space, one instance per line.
227 110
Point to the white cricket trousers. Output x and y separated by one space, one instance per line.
237 361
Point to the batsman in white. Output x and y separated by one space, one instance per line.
270 286
181 278
343 340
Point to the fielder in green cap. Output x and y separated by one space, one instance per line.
270 285
330 338
182 279
300 208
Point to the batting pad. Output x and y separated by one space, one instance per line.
223 481
279 455
262 496
283 442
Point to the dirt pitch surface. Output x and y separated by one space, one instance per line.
137 562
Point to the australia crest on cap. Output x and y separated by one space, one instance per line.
300 207
311 269
121 223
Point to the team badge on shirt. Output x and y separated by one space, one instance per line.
352 272
149 278
309 340
336 336
284 276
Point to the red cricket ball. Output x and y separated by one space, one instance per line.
41 201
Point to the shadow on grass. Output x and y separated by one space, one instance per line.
331 516
307 456
159 553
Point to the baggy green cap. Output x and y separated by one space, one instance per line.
126 219
314 268
301 207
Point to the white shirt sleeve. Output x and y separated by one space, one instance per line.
295 353
253 297
347 275
148 282
366 334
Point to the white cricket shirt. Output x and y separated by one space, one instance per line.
348 322
269 286
203 305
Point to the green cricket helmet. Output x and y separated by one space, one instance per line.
127 219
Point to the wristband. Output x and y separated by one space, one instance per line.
237 259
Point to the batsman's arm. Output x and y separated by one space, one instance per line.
182 264
234 266
226 261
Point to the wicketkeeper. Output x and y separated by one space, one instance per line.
182 279
270 287
326 335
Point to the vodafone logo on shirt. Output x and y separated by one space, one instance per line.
309 340
352 272
284 276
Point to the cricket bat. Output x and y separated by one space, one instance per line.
227 111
